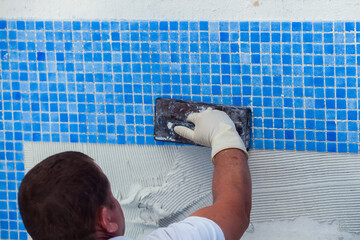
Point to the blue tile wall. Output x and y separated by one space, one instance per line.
96 82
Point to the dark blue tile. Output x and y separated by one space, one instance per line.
268 133
76 25
164 26
341 115
352 115
296 26
244 26
349 26
320 147
224 36
289 134
289 145
331 147
20 25
3 24
3 35
352 126
353 148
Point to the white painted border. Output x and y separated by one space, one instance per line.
211 10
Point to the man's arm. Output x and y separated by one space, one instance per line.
231 181
231 194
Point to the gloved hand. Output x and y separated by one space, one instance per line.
213 129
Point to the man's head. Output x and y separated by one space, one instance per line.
67 196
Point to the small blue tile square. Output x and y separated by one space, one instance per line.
244 26
328 26
194 26
307 26
224 26
331 147
352 115
350 38
254 26
352 126
174 26
275 26
184 26
349 26
339 26
320 125
353 148
134 26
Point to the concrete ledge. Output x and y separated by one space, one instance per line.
216 10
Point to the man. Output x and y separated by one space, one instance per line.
67 196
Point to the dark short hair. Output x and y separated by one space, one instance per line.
61 196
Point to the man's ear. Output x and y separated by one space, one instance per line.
106 222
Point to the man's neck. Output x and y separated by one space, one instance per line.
103 235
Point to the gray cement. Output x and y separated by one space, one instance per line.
158 185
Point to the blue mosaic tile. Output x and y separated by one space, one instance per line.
96 82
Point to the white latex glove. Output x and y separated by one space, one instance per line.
213 128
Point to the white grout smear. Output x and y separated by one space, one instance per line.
187 187
301 228
321 186
295 194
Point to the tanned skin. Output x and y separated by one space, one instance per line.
231 189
